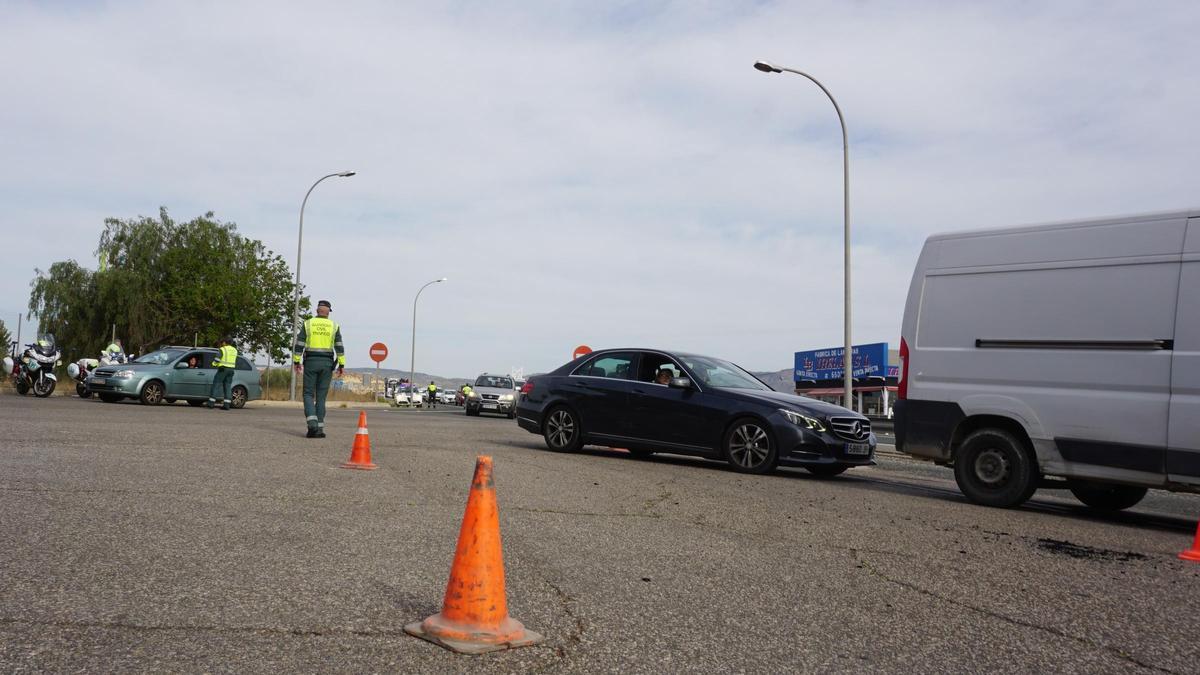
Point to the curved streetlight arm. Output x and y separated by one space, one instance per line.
412 357
296 291
848 358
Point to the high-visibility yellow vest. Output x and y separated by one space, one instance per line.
432 387
320 332
228 357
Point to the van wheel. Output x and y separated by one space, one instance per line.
240 396
993 468
1106 497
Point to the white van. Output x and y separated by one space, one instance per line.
1069 350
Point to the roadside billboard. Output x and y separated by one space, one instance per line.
826 364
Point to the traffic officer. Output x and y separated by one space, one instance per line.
432 394
319 347
114 352
225 363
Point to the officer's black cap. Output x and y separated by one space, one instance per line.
324 303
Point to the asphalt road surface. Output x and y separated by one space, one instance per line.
183 539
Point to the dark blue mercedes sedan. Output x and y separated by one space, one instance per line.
650 401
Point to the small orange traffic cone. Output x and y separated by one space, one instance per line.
474 617
1193 553
360 454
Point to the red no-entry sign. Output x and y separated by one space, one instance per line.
580 351
378 352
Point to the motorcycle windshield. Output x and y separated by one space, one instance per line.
46 344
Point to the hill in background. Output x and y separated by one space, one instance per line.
420 377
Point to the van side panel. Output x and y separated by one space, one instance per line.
1025 325
1183 438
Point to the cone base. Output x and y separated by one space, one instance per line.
1193 555
365 467
520 638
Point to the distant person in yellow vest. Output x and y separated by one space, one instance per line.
317 350
432 394
225 363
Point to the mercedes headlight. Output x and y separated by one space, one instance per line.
803 420
123 374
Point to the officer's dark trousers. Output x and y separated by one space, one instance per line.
318 373
222 382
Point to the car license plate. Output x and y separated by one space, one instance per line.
97 380
489 405
858 448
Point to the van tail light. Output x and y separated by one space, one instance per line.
902 388
527 387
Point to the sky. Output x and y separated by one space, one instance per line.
602 173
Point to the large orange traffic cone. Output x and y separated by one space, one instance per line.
474 617
360 453
1193 553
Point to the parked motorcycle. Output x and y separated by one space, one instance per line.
82 369
35 368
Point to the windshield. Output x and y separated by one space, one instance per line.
46 341
718 373
160 358
493 381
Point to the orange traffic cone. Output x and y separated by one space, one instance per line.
474 617
360 454
1193 553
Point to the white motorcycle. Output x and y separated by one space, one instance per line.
82 369
35 368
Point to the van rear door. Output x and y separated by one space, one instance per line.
1183 436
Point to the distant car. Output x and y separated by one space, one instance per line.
406 398
493 394
708 407
444 396
167 375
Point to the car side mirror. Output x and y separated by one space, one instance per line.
181 365
680 383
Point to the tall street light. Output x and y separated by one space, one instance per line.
296 295
848 359
412 362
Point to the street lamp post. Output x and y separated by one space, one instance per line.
296 294
848 358
412 362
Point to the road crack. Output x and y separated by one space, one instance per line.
1119 653
210 628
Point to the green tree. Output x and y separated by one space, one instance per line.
5 339
170 283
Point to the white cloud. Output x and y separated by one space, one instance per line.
609 174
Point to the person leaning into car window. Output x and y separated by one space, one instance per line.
664 376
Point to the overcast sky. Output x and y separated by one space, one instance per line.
608 173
